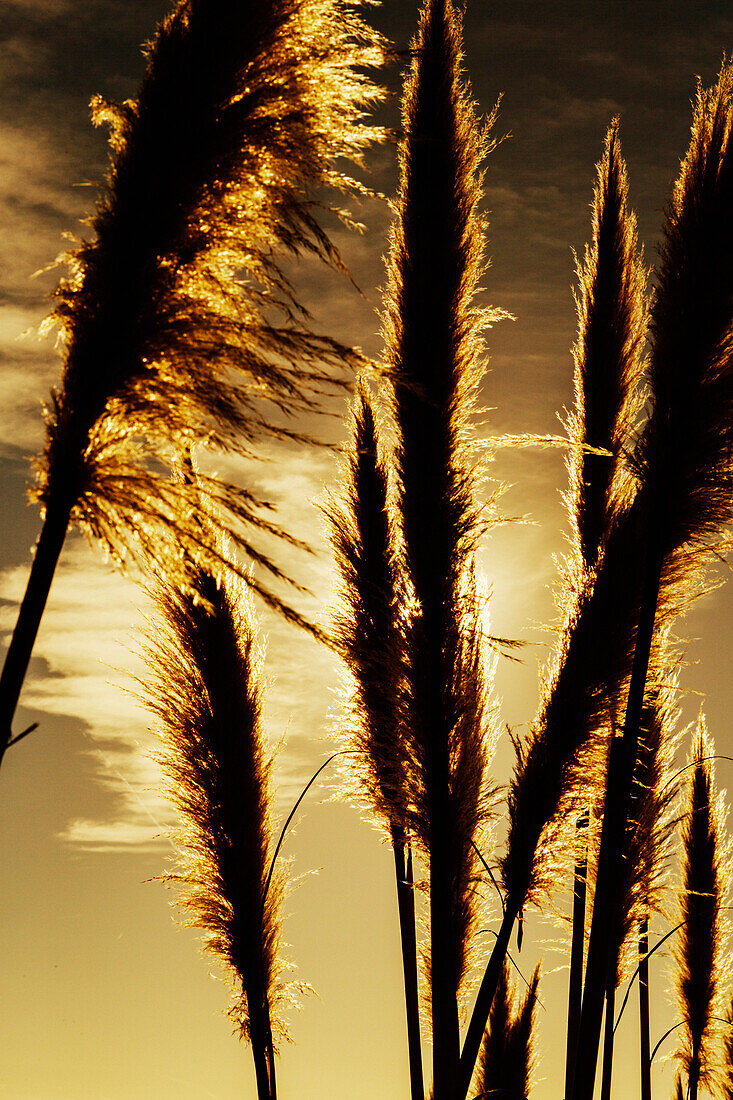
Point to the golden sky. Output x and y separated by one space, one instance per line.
104 998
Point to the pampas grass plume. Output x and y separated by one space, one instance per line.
700 946
205 691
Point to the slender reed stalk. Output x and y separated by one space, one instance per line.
433 348
610 1013
577 947
684 459
507 1054
369 633
243 109
700 948
206 694
645 1064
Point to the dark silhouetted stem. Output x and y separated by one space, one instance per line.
406 908
618 792
644 1032
484 998
575 985
47 554
270 1054
444 984
608 1044
259 1049
694 1077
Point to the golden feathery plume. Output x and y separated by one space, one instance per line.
178 322
206 694
685 456
612 313
369 628
432 329
369 634
508 1055
699 949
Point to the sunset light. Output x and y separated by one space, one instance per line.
367 377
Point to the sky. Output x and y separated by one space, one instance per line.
105 998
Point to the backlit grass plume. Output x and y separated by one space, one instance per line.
178 322
700 944
369 633
432 328
611 303
507 1054
369 629
206 694
687 447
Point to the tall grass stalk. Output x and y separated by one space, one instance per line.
243 109
433 354
645 1064
684 459
369 633
205 692
577 946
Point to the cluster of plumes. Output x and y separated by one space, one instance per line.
432 328
508 1054
369 627
650 827
668 532
581 688
205 692
699 948
179 324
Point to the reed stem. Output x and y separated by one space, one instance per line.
260 1052
484 998
575 984
618 792
406 908
444 980
694 1077
48 551
608 1042
645 1041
